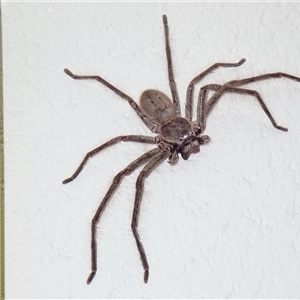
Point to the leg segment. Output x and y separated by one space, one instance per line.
237 83
116 182
227 88
172 82
131 102
190 88
158 159
201 117
204 108
124 138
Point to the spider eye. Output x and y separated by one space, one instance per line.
184 137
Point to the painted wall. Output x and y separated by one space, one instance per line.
224 224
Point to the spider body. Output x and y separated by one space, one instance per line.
157 106
175 134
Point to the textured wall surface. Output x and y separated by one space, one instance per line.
224 224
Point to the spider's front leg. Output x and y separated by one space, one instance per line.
201 112
157 160
205 107
198 78
234 87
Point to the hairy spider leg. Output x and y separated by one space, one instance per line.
151 125
216 97
172 82
240 82
150 166
197 79
115 184
122 138
201 116
205 107
233 87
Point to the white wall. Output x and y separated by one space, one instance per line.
224 224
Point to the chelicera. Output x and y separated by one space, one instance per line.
175 135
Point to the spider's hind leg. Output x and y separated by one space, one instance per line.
132 103
172 82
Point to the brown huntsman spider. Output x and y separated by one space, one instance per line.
175 135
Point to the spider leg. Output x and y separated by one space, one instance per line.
124 138
201 116
227 88
172 82
115 184
237 83
191 86
150 166
132 103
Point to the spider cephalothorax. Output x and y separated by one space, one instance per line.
175 134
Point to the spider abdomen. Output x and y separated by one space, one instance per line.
157 106
176 130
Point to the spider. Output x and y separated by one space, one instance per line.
175 135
